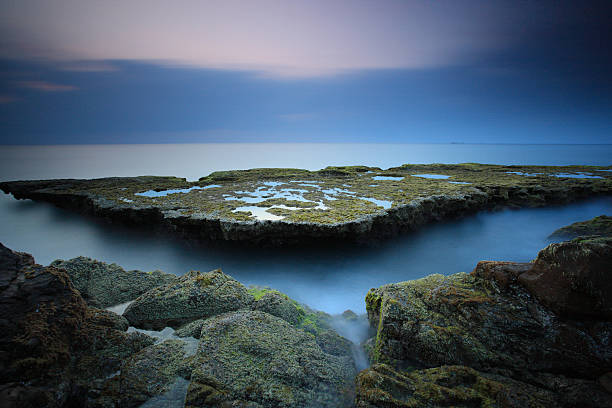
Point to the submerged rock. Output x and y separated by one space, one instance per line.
193 296
54 350
601 226
251 358
103 285
546 324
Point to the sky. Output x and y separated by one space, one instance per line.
387 71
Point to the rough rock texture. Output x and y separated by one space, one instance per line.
381 386
193 296
157 375
52 346
300 316
251 358
104 285
490 322
601 226
279 305
574 278
351 203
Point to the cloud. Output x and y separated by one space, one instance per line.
44 86
301 38
88 66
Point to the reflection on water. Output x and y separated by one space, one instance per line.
332 279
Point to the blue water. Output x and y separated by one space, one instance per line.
332 279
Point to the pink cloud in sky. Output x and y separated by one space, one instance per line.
44 86
278 38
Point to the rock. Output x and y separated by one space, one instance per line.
192 329
202 213
456 386
52 346
251 358
103 285
574 278
489 322
109 319
600 226
193 296
279 305
461 386
151 374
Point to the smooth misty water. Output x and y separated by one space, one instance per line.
333 278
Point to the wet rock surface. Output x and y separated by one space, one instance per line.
275 207
103 285
541 330
251 358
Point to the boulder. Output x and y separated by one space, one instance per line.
193 296
155 374
254 359
103 285
278 304
490 322
54 350
574 278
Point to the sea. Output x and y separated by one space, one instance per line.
332 279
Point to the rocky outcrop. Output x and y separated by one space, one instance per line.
251 358
461 386
600 226
193 296
203 212
544 324
104 285
574 279
53 348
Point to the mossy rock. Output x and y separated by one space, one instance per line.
194 296
153 373
467 319
104 285
251 357
349 203
598 226
381 386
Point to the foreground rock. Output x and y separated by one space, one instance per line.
291 206
194 295
251 358
54 350
543 330
598 226
104 285
574 279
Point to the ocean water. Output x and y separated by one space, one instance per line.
332 279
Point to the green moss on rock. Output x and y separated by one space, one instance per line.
254 357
